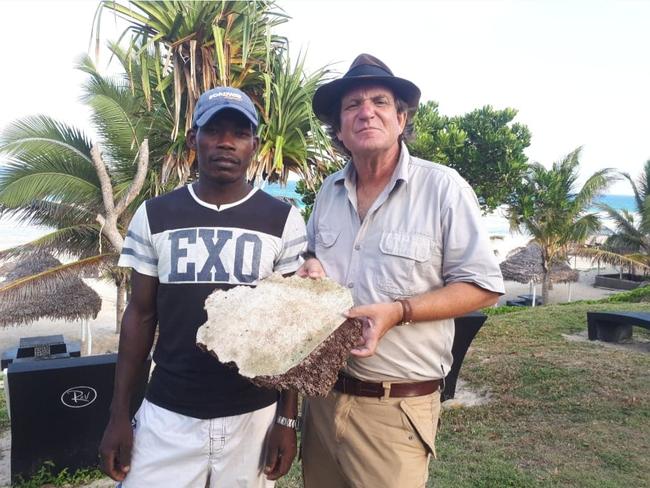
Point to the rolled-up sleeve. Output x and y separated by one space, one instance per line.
468 255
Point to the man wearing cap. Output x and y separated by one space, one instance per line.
200 419
404 235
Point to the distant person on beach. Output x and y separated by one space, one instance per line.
405 236
200 419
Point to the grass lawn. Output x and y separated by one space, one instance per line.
563 413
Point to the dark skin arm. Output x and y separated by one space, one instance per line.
281 442
136 339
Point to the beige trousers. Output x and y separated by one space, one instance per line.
360 442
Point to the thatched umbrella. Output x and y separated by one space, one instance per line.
524 265
69 299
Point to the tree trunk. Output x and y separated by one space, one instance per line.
546 286
120 303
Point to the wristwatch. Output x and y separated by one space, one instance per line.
285 422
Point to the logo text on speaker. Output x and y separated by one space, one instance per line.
78 396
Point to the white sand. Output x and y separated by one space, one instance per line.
583 289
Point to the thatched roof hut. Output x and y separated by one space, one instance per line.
524 264
69 299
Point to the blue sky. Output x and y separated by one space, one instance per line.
578 72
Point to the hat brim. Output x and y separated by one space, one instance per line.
208 114
327 96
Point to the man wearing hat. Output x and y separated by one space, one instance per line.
201 423
405 236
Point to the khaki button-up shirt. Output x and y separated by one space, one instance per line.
423 232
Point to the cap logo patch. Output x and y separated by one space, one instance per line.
224 94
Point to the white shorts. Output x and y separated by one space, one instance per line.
176 451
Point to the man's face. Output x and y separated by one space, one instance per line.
224 146
369 120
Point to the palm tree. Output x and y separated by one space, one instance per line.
196 46
632 232
56 177
553 212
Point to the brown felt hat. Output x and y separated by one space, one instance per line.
364 68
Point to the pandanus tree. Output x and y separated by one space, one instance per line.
199 45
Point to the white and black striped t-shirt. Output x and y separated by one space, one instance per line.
193 248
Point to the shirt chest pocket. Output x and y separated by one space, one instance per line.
325 243
408 264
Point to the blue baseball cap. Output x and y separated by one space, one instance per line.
213 101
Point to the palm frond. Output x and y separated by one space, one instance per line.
78 240
42 134
623 221
593 187
290 133
613 258
47 213
41 176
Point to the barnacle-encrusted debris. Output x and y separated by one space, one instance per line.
284 333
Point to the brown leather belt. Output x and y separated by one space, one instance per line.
353 386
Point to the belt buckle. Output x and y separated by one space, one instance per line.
386 386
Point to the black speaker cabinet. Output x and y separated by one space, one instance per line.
59 409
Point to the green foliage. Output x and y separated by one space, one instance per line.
4 413
46 475
309 191
49 178
641 294
122 121
291 136
638 295
484 146
502 309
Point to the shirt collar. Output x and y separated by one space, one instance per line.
401 170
